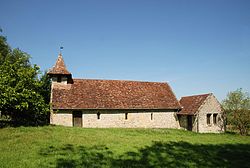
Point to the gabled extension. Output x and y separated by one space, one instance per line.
201 113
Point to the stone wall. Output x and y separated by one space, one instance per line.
211 106
149 119
146 119
61 118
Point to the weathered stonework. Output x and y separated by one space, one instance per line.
117 119
134 120
211 106
61 118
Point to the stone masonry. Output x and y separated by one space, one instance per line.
117 119
210 106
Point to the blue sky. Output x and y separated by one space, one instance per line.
198 46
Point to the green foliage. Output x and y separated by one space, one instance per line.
45 87
237 110
81 147
4 49
22 94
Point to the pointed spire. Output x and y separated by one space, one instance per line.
59 68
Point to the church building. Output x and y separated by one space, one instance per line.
98 103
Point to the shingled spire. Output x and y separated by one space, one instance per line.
59 67
59 71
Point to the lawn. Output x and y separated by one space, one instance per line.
55 146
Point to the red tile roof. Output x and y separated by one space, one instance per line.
113 94
59 68
191 104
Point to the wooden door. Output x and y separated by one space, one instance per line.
189 122
77 119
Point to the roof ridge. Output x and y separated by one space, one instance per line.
122 80
205 94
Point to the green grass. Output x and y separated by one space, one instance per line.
54 146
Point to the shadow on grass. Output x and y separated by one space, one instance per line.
70 156
172 154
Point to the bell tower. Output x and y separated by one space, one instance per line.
59 72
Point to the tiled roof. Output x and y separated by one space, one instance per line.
59 67
191 104
113 94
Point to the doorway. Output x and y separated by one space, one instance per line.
189 122
77 118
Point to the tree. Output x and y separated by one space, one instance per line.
22 94
45 87
237 110
4 48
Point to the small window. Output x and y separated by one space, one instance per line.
126 116
98 116
208 119
215 118
151 116
59 79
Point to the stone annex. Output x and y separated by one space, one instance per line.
128 104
